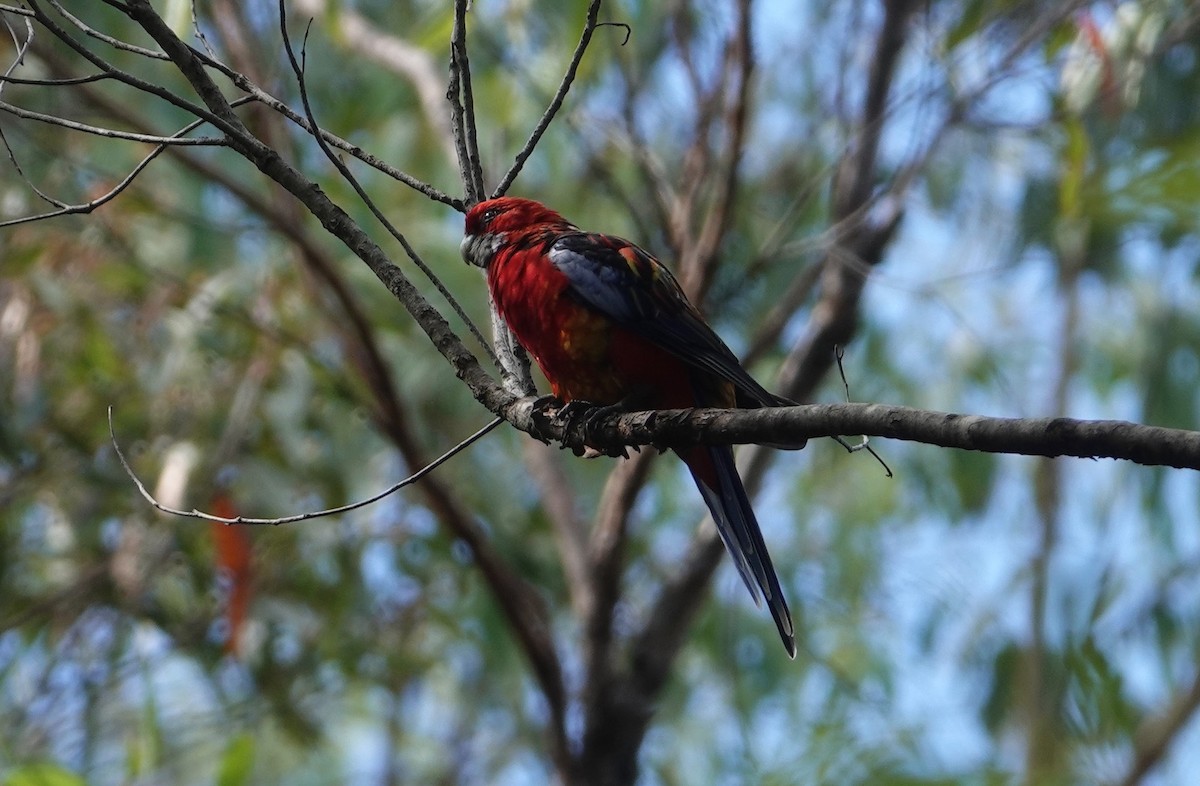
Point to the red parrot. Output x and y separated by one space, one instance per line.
608 323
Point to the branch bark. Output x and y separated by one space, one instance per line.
1116 439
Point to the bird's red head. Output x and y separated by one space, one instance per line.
493 222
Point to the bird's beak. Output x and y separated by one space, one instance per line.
468 247
478 249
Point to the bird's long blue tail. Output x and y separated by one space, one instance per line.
716 476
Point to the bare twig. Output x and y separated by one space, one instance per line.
739 68
223 124
515 377
589 27
244 83
22 48
462 108
570 530
115 43
315 514
298 69
87 207
865 442
397 55
78 80
1156 733
112 133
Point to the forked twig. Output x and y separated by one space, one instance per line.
298 66
839 352
462 108
64 209
115 43
585 38
195 513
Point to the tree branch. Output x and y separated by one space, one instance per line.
585 38
398 56
462 108
1055 437
1156 733
739 66
332 217
112 133
298 69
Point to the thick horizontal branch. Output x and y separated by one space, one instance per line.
783 426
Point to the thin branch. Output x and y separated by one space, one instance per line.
546 469
78 80
228 124
335 220
458 43
242 82
1156 733
316 514
716 222
589 27
87 207
298 69
245 84
462 108
398 56
115 43
22 48
112 133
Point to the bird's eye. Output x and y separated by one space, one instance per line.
490 214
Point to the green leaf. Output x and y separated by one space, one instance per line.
237 762
44 774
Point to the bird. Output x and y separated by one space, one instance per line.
608 323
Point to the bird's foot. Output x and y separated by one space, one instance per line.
591 414
546 409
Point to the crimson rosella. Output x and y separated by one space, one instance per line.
608 323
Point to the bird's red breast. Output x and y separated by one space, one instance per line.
583 353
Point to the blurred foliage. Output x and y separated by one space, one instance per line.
372 651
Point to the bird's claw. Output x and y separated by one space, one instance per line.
590 414
549 414
545 411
